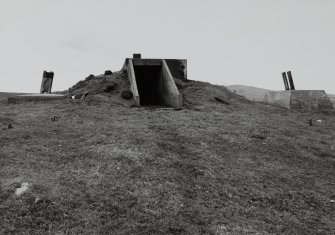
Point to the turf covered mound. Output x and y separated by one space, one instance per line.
101 84
116 88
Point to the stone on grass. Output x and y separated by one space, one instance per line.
127 95
108 72
111 86
24 187
91 76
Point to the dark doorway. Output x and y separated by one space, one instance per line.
148 80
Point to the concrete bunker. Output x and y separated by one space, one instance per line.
152 83
298 99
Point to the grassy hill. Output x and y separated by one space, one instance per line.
104 166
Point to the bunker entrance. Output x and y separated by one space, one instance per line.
152 83
149 80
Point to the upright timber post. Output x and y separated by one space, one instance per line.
290 78
285 81
47 82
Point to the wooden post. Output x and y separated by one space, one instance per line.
47 82
290 78
285 81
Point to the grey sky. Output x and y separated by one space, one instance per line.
246 42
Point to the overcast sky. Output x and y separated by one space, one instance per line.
226 42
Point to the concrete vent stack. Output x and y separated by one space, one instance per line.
290 78
137 56
285 81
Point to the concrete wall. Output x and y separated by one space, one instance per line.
281 98
132 80
178 68
310 100
168 89
300 99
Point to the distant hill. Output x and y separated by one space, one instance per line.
251 93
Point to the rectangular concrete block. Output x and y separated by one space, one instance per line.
47 80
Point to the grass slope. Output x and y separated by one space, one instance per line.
211 168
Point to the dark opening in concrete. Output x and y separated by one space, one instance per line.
152 83
148 79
